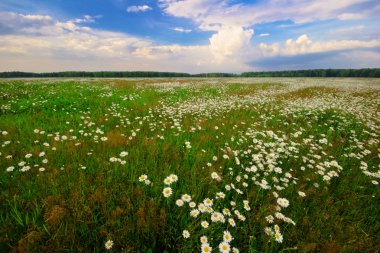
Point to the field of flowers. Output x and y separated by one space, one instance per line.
190 165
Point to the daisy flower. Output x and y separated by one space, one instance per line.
194 213
186 197
269 218
203 239
179 202
185 234
224 247
174 177
204 224
206 248
108 244
142 178
167 192
207 202
283 202
123 154
227 237
168 181
232 222
302 194
278 237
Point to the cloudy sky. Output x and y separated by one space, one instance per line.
191 36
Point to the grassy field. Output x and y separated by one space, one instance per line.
186 165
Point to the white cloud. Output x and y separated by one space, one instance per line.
264 34
42 43
182 30
350 16
55 45
304 45
213 14
229 43
11 22
347 30
139 8
86 19
223 15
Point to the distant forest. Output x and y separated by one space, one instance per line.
373 72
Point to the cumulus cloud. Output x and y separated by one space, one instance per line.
63 45
229 43
264 34
43 43
139 8
11 22
231 22
304 45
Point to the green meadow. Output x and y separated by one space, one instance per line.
190 165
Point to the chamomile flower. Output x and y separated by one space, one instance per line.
204 224
226 211
174 177
167 192
185 234
179 202
194 213
232 222
220 195
10 168
168 180
215 217
268 231
215 176
279 216
207 202
123 154
109 244
202 207
186 197
302 194
113 159
227 237
143 177
269 219
205 248
278 237
235 250
283 202
203 239
224 247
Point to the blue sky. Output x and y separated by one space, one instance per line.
188 35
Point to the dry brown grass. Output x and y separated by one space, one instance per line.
115 139
29 242
55 215
309 92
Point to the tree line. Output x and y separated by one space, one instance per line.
375 72
368 72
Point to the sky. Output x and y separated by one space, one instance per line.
193 36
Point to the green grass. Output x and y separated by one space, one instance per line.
82 199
